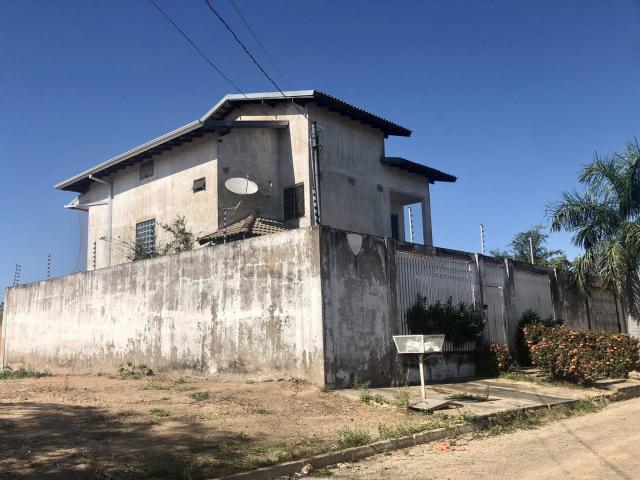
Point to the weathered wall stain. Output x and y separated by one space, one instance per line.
250 306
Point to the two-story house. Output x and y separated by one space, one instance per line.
340 177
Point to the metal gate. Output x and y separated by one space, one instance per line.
436 278
493 288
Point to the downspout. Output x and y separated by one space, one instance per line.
110 216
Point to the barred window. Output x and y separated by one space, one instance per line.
293 199
146 236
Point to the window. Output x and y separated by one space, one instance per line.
146 236
293 199
199 185
146 169
395 226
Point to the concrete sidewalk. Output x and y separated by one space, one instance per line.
503 395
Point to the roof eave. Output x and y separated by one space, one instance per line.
67 184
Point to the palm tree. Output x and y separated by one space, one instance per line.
604 220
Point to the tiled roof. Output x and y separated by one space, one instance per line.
250 226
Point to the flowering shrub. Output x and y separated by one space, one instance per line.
494 359
529 317
581 355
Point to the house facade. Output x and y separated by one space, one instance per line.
269 139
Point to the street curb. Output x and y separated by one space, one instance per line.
358 453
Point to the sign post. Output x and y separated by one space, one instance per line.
420 344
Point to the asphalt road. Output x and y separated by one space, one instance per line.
603 445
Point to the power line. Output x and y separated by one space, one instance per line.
186 37
253 59
255 37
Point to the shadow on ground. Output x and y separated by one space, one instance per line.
55 441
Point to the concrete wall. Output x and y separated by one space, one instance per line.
161 197
283 159
352 175
251 306
359 304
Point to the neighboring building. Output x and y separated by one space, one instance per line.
267 137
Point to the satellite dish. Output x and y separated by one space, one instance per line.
241 186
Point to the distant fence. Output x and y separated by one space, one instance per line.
504 289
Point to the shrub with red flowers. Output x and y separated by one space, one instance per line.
581 355
494 359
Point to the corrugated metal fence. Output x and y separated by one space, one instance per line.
506 290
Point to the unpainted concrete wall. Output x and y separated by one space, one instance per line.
356 188
360 315
251 306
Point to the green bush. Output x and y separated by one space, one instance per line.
581 355
459 323
529 317
494 359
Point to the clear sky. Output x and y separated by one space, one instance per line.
511 97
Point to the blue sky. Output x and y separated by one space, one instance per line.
512 97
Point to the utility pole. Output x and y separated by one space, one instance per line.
531 249
410 224
482 239
315 168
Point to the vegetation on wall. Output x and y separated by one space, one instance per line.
581 356
179 239
459 323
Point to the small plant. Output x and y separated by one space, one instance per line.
327 388
28 372
353 437
402 398
468 397
200 396
180 381
131 370
459 323
159 412
367 397
263 411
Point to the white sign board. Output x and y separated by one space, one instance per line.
419 343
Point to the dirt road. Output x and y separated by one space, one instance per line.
604 445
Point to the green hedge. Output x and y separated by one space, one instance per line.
581 355
459 323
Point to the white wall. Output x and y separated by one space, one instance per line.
161 197
252 306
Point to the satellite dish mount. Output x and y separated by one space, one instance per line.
240 186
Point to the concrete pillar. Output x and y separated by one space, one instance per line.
425 205
511 317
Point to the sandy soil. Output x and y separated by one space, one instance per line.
604 445
101 427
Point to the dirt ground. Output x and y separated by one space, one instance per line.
603 445
102 427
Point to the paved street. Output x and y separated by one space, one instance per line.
605 445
